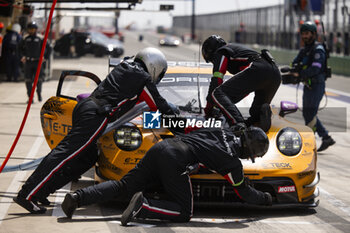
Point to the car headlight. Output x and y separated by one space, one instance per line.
289 141
110 47
161 42
128 137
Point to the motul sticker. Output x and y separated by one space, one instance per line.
286 189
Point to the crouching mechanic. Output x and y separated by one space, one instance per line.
253 72
124 86
166 164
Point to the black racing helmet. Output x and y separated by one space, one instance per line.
308 26
32 25
210 45
255 143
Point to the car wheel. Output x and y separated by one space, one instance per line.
98 52
117 53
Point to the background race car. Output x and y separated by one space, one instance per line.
80 43
169 40
288 171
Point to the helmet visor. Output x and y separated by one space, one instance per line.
207 55
161 75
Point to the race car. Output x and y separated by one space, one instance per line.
288 171
169 40
88 42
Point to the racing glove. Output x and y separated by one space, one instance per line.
238 128
211 111
251 195
191 169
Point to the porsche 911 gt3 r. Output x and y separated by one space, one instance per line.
288 171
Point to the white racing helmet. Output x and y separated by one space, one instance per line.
16 28
155 62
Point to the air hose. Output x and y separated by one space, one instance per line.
33 88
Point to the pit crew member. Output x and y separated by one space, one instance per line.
253 72
168 164
30 48
312 60
128 83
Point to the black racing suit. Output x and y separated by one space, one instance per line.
165 163
312 59
10 51
252 73
30 49
77 152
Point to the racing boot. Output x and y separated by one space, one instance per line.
31 206
44 201
326 142
133 209
70 203
39 97
265 117
253 196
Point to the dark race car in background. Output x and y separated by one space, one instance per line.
88 42
169 40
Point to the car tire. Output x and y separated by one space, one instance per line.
98 52
117 53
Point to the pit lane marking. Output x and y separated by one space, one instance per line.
60 194
332 93
57 210
20 175
335 202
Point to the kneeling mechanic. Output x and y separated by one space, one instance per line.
166 164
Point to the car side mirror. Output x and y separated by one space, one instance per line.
287 107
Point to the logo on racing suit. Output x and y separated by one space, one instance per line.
286 189
151 120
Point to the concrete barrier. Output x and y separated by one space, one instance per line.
340 64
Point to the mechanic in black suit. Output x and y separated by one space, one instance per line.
128 83
168 164
30 48
253 72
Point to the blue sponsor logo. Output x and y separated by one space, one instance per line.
151 120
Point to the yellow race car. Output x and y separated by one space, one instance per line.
288 171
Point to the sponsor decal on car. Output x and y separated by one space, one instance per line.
141 152
103 163
277 166
304 174
132 160
184 80
307 153
286 189
57 128
111 147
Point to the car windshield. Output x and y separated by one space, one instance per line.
184 88
190 88
99 37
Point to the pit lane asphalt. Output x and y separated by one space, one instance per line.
332 215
